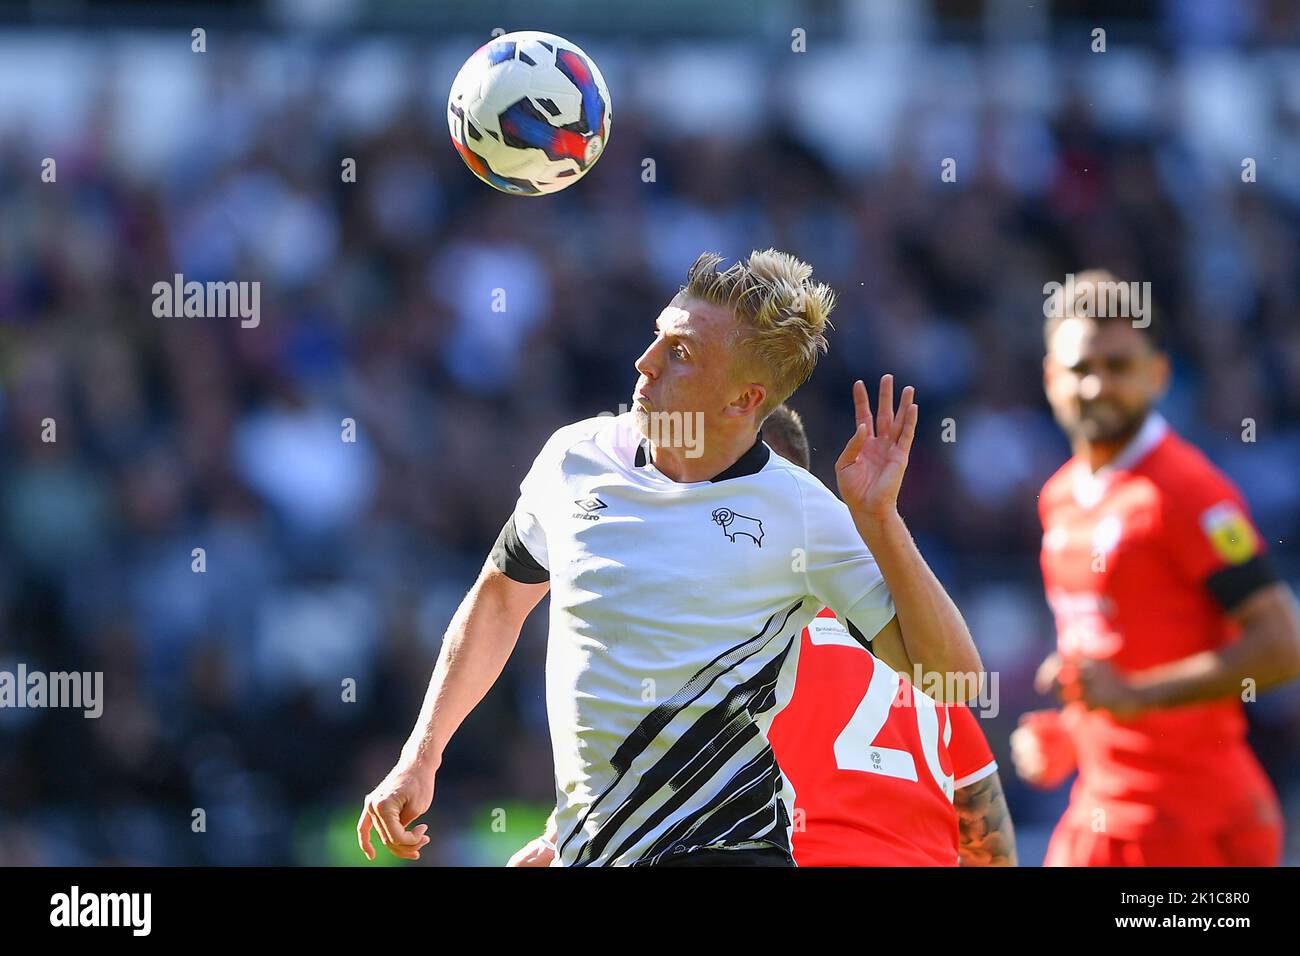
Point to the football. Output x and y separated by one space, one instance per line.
529 113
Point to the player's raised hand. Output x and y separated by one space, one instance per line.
870 470
399 799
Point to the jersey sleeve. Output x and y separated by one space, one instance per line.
520 550
841 572
1210 537
972 760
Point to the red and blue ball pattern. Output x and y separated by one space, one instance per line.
498 141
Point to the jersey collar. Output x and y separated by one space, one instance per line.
1151 433
1089 486
749 463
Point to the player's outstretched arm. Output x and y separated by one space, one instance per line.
987 837
1266 654
475 649
869 474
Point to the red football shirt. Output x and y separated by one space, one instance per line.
1139 562
873 761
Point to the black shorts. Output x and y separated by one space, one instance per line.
766 856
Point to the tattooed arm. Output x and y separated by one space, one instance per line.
984 824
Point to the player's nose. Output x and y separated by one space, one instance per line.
1091 387
647 364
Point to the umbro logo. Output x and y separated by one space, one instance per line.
588 506
734 525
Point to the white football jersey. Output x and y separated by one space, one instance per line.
676 611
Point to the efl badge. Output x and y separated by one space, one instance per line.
1230 533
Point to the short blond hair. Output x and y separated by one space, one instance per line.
781 314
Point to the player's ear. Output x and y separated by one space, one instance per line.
750 400
1161 371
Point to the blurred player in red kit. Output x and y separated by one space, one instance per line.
1168 615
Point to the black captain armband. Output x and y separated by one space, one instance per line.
1235 583
513 559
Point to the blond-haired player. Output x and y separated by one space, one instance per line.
683 562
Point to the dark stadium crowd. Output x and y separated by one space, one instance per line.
257 688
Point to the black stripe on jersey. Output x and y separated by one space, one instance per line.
701 767
1234 584
703 749
660 717
683 831
754 794
513 559
857 634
